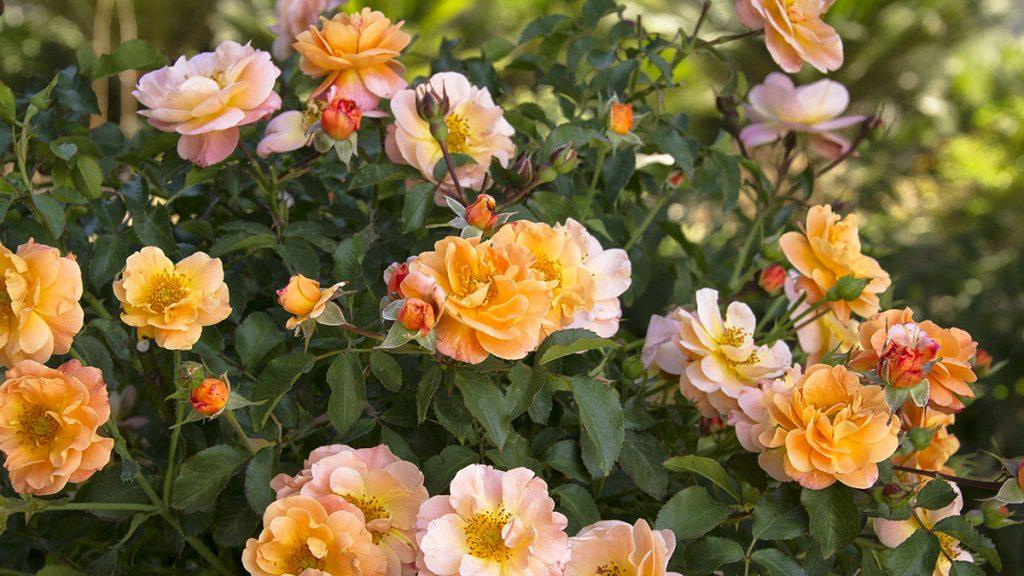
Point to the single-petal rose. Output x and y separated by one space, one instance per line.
612 273
206 99
612 548
794 32
294 17
663 350
284 485
39 309
494 523
476 128
49 425
892 533
168 302
778 107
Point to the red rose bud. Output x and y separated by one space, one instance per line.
907 356
341 118
676 178
709 425
394 276
417 315
481 212
772 278
982 362
620 121
210 397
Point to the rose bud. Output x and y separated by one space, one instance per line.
676 178
417 315
210 397
341 118
907 355
1020 475
772 278
481 212
620 121
709 425
433 108
982 362
522 170
564 159
393 276
300 296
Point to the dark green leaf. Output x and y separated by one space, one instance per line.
960 527
642 459
578 506
425 392
275 381
203 476
386 369
709 553
257 480
108 255
916 556
132 55
706 467
779 516
52 213
692 513
834 520
604 424
935 494
566 342
348 391
486 403
418 200
255 337
440 469
776 563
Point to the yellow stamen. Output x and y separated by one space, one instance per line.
483 535
302 558
5 306
549 269
610 569
36 427
733 336
165 290
458 133
371 507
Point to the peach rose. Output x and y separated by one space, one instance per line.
620 118
210 397
892 533
39 309
287 132
303 537
751 418
384 490
294 17
476 128
207 97
611 547
355 53
794 32
827 250
823 335
493 522
778 107
829 427
942 446
284 485
168 302
49 425
495 302
612 274
949 378
304 299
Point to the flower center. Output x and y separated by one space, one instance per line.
458 133
948 544
5 306
483 535
371 507
549 269
610 569
304 559
165 290
36 427
733 336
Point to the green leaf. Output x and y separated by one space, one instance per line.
108 255
88 177
486 403
566 342
63 150
52 213
440 469
602 418
58 570
692 513
348 391
257 480
776 563
965 569
255 337
275 381
916 556
132 55
779 516
524 385
960 527
706 467
834 518
709 553
935 494
594 10
542 27
642 460
204 476
245 240
578 506
425 392
7 112
386 369
418 200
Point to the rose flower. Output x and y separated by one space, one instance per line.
794 32
611 548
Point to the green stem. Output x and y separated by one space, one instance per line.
246 441
663 199
101 507
97 305
737 271
592 189
179 417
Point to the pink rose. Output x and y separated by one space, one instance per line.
794 32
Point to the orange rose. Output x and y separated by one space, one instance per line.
210 397
481 212
949 378
620 118
341 118
828 250
39 309
49 422
943 444
304 299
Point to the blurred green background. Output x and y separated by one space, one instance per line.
940 191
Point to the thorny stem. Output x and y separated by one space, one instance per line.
242 436
728 38
982 484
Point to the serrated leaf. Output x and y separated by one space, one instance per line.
348 391
691 513
52 213
566 342
108 256
258 473
386 369
203 476
960 527
916 556
706 467
935 494
602 418
709 553
578 506
132 55
776 563
418 200
425 392
275 381
88 177
255 337
439 470
642 461
486 403
779 516
834 520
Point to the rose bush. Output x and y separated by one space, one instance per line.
503 316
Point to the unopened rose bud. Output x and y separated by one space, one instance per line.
847 288
481 212
300 296
772 278
891 490
341 118
210 397
709 425
995 515
432 108
676 179
394 275
982 362
620 120
417 315
564 159
907 356
189 375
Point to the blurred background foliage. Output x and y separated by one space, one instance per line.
940 190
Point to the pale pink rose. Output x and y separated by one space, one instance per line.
207 97
288 131
778 107
493 523
614 547
382 489
284 485
751 417
892 533
662 349
612 273
794 32
295 16
476 128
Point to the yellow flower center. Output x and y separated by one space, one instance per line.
732 336
5 306
948 544
302 558
610 569
165 290
483 535
371 507
458 133
36 427
549 269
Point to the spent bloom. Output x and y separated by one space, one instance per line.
356 53
39 309
207 98
778 107
828 250
49 425
304 537
305 300
892 533
493 522
827 428
294 17
950 373
614 548
168 302
476 127
794 32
